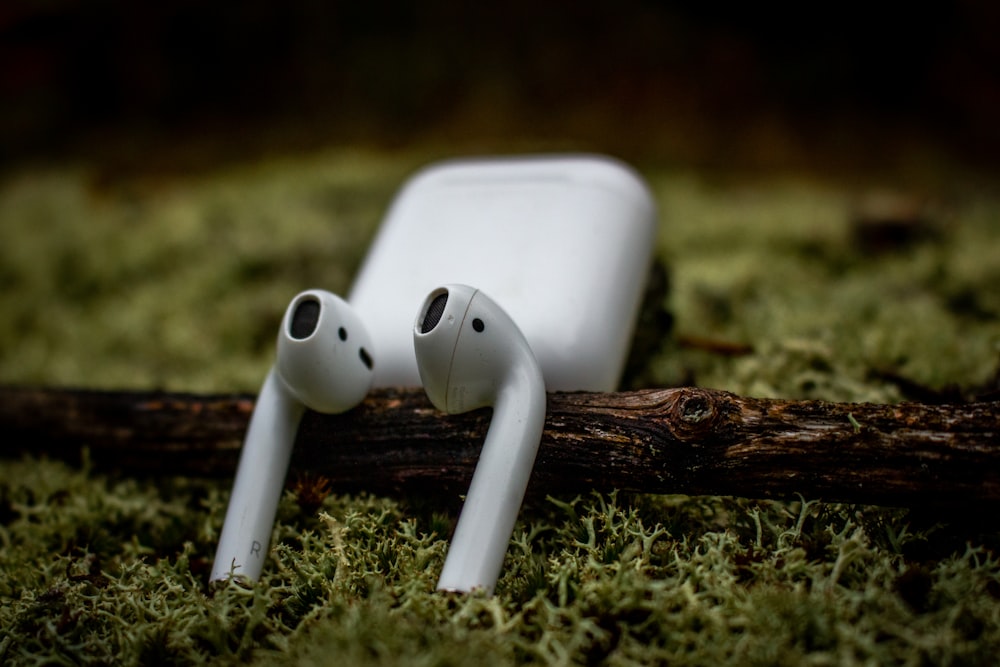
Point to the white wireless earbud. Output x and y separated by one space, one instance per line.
323 363
471 354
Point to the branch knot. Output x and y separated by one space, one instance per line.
697 413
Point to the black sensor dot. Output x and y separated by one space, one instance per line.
366 358
478 325
342 332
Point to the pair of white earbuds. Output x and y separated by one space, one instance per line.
470 354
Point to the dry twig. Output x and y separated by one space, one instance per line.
688 440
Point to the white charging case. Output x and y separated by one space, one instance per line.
563 243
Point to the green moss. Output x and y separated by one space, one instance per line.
179 283
141 285
777 266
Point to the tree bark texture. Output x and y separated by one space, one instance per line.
687 440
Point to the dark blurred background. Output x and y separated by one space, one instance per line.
175 83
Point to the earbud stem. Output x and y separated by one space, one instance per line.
498 484
260 479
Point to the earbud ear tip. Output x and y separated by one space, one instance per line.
435 335
330 368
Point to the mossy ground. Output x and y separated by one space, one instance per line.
179 282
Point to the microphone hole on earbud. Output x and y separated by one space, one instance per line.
366 358
478 325
342 333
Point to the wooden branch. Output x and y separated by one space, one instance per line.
692 441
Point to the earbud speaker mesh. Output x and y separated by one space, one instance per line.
304 319
434 312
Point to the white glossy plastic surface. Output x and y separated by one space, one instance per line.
326 367
562 243
473 357
330 370
260 478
